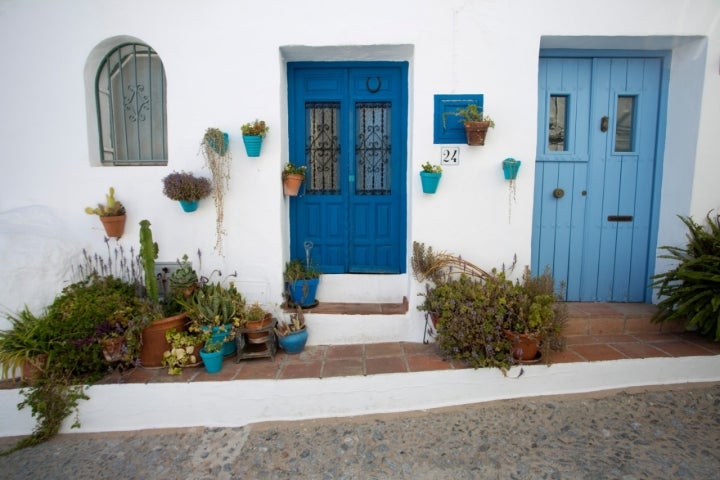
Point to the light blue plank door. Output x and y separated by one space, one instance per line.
597 131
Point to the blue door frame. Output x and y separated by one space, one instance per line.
348 125
597 186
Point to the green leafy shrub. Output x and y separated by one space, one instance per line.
690 292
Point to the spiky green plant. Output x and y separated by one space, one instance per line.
690 292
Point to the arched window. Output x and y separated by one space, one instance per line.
130 99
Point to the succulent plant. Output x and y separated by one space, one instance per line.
112 208
184 280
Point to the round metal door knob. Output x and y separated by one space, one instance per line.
558 193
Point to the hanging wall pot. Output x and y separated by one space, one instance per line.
510 168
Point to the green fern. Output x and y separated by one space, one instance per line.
690 292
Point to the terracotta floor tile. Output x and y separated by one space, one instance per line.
617 338
385 365
639 350
421 348
576 326
641 325
344 351
228 372
301 370
565 356
142 375
682 349
598 352
424 363
701 341
581 340
313 353
343 367
382 349
258 369
656 337
606 325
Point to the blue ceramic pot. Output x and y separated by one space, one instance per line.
253 144
303 291
212 360
189 205
430 181
294 342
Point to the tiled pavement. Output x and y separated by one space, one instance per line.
594 332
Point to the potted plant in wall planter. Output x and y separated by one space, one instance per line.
215 151
253 134
476 123
430 177
301 281
292 177
510 171
187 189
112 215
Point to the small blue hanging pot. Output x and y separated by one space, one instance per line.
510 168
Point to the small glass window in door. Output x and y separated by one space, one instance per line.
557 113
625 123
322 147
372 148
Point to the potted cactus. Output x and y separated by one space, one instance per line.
112 214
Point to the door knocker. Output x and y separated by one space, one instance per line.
378 80
558 193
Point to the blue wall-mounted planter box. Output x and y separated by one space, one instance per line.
452 130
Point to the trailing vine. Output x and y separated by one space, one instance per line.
217 157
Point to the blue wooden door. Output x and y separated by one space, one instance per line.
348 126
595 170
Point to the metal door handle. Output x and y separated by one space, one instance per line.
558 193
604 124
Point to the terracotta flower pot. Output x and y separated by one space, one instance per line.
258 336
113 348
33 367
114 226
476 132
154 342
292 183
525 346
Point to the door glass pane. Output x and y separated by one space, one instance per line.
322 147
624 123
557 114
372 148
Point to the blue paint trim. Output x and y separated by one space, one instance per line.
449 128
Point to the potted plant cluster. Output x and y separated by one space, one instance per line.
485 318
292 336
112 214
430 177
216 310
292 177
476 123
253 134
216 152
301 280
255 323
187 189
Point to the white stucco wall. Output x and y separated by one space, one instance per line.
224 62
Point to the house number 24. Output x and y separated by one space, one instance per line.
450 156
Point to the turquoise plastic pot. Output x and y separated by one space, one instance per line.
212 361
430 181
294 342
253 144
189 205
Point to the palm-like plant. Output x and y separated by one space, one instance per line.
690 292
